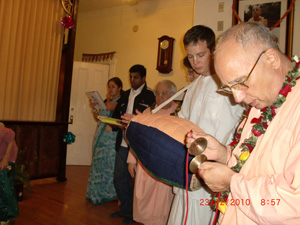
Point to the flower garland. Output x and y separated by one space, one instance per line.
178 108
260 126
175 113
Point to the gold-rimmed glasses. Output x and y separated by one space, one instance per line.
241 86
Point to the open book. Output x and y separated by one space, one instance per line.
95 98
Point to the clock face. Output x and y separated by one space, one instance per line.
164 56
164 44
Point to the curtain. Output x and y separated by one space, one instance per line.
30 53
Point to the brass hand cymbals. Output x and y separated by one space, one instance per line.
196 162
198 146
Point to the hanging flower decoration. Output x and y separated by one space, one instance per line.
260 126
68 22
69 138
68 7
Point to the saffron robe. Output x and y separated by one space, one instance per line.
270 178
152 198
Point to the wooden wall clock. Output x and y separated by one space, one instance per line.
165 54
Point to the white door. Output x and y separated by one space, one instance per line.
86 77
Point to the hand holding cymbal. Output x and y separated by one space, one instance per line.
197 148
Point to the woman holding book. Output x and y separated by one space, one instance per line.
100 187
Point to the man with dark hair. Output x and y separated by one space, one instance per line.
200 33
141 70
212 112
138 97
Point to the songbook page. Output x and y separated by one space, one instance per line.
95 98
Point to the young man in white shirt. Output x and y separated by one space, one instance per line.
214 113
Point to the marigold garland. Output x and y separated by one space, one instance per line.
260 126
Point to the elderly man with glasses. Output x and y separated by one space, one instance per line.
259 171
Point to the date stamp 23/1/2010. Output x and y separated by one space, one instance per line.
242 202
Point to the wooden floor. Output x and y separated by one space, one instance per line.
55 203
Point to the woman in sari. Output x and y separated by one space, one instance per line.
100 187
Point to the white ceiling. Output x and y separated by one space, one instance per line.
91 5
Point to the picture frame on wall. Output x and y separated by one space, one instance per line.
268 13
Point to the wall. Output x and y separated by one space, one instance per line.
112 30
206 13
204 10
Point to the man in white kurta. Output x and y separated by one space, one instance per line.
268 184
214 113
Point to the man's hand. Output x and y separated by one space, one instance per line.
216 176
215 150
132 169
126 117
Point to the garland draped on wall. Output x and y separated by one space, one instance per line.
102 57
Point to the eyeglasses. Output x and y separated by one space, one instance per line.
240 86
163 93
